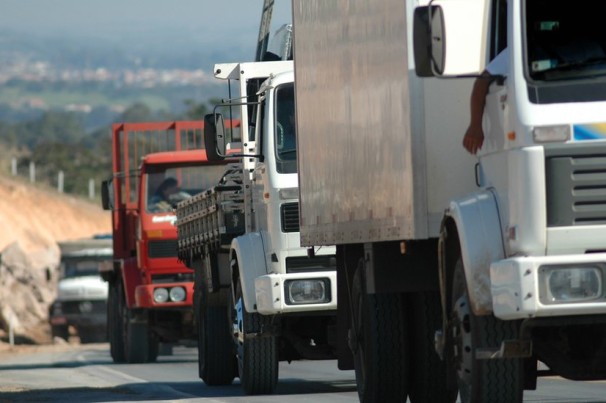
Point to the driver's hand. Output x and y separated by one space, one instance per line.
164 206
473 139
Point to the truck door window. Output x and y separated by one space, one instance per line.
285 129
498 34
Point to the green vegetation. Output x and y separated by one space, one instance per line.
58 141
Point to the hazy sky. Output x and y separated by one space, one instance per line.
224 23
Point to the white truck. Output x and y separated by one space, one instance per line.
81 293
258 297
503 255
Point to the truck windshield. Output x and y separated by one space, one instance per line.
72 268
168 185
565 42
285 130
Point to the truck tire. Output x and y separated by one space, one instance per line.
60 331
165 349
494 381
137 342
429 381
115 321
378 342
257 357
153 346
141 344
91 335
216 357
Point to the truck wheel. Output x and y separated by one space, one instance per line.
137 342
215 350
428 381
91 335
61 331
165 349
115 321
378 342
153 345
497 380
257 356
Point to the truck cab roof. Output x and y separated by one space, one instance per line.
176 157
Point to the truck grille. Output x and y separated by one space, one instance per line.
576 185
83 307
165 248
289 215
306 264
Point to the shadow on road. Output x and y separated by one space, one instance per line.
74 364
157 391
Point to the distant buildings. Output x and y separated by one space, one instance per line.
143 77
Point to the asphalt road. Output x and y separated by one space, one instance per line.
86 374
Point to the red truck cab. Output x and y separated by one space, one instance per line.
167 282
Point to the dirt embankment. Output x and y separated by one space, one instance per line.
33 221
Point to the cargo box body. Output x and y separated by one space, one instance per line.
375 164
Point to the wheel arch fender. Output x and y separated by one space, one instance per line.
248 253
476 221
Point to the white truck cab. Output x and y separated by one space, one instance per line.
81 293
280 298
502 252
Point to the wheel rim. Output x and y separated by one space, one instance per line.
237 322
462 344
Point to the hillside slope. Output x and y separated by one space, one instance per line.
37 218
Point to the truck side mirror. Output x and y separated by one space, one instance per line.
107 200
214 136
464 23
429 41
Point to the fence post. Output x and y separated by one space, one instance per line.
60 181
91 188
32 172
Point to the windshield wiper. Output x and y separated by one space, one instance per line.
592 61
292 150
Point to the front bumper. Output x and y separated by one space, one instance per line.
271 292
144 295
94 320
78 313
521 289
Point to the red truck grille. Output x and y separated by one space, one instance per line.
160 249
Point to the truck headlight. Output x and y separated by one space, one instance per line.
177 294
160 295
307 291
569 284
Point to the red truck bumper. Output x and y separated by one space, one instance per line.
144 296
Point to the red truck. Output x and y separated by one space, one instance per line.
155 165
